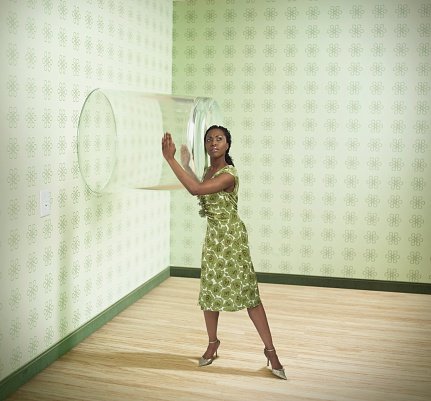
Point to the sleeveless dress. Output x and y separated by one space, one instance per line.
228 280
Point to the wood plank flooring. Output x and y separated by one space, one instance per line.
336 345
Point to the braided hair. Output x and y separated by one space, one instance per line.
228 136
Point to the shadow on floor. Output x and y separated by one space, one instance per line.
157 361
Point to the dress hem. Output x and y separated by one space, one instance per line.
233 310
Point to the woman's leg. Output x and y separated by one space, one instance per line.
258 316
211 321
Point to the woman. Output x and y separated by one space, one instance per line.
228 280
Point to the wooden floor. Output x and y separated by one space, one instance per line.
335 344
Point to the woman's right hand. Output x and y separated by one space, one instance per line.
168 146
185 156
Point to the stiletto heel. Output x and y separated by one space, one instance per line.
277 372
204 361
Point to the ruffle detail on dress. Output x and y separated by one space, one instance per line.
203 212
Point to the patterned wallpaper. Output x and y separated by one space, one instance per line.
59 271
328 103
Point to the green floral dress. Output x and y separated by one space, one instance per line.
228 279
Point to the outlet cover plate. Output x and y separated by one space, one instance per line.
45 203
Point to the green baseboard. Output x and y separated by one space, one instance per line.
16 379
319 281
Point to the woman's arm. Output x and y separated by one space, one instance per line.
217 184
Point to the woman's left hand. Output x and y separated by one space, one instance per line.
185 156
168 146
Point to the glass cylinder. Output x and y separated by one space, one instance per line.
120 133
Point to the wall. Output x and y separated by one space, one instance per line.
59 271
328 103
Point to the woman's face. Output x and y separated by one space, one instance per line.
215 143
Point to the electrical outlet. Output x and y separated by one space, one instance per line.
45 203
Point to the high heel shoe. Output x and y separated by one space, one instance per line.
203 361
277 372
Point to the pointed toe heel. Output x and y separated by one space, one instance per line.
276 372
204 361
279 373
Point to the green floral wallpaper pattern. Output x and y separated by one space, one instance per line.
328 103
60 271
